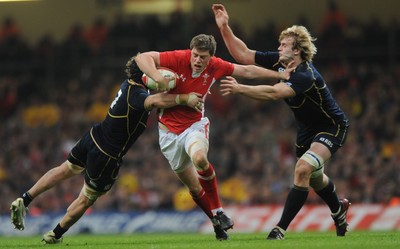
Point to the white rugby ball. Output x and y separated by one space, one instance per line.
166 72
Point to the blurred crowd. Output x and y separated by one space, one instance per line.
51 92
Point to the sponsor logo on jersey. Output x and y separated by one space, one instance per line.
91 182
326 141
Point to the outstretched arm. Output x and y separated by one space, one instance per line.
259 92
166 100
237 48
256 72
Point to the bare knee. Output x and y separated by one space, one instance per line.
200 160
189 178
82 204
198 154
302 174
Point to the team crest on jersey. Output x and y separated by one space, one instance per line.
205 76
107 187
182 78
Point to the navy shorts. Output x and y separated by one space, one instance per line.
101 170
333 137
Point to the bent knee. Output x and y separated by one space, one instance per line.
303 170
200 160
90 194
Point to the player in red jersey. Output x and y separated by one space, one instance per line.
184 132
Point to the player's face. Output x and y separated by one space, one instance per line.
199 60
286 52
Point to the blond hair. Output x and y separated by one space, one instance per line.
302 40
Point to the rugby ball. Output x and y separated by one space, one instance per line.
166 72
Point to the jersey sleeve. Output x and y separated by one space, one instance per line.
300 82
221 68
228 67
266 59
171 59
136 100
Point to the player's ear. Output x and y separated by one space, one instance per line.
296 51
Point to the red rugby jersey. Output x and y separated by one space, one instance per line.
179 118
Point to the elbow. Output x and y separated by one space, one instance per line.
251 72
242 58
274 96
142 57
139 59
151 102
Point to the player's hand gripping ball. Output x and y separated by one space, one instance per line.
167 73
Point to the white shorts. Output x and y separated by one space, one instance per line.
176 147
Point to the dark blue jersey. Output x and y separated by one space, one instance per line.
125 122
313 105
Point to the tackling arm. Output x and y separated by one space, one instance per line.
256 72
165 100
259 92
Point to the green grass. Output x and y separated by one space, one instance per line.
305 240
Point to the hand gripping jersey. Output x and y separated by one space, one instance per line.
179 118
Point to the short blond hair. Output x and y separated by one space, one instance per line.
302 40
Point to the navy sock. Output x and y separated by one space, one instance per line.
328 194
294 202
27 198
59 231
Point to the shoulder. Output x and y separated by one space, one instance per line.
175 53
174 59
306 72
216 62
266 59
185 52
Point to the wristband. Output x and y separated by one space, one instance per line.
191 97
178 99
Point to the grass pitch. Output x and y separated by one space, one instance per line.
293 240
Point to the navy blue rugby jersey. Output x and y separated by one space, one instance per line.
313 104
125 122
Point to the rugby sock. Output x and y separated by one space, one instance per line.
202 201
294 202
27 198
328 194
59 231
208 181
